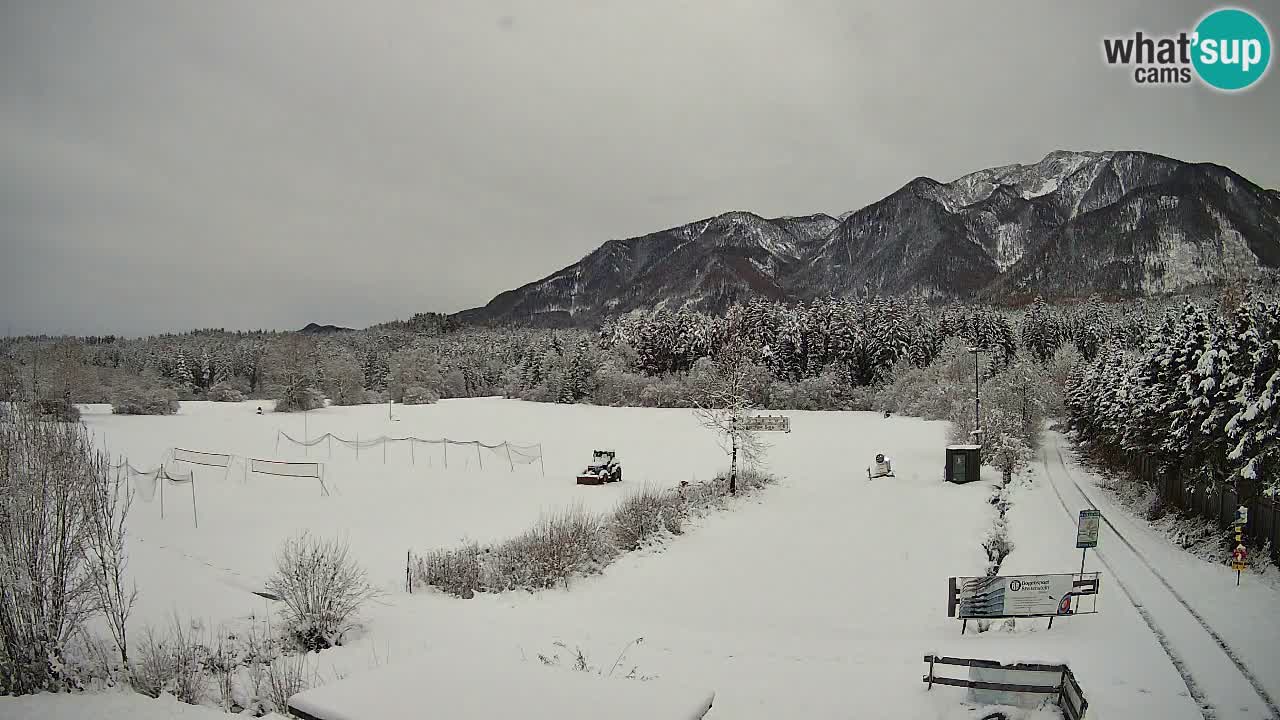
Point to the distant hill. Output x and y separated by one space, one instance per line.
1122 224
317 329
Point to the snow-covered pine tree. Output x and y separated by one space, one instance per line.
1040 332
1256 425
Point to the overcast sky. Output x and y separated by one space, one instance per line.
242 164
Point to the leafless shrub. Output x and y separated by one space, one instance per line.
222 663
48 475
574 542
558 546
287 676
259 652
578 661
455 571
173 662
645 513
322 589
110 499
153 665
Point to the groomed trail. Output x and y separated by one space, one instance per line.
1222 670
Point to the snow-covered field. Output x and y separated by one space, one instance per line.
817 598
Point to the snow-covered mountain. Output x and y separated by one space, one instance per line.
1118 223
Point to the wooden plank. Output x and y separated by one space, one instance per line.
1006 687
1072 700
973 662
302 715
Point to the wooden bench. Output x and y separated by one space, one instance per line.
1064 688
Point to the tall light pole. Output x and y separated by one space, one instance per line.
977 422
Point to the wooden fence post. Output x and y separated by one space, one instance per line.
195 516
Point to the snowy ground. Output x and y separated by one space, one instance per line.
817 598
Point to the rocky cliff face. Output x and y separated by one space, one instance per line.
1075 223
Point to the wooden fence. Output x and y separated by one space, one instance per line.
1217 505
1064 688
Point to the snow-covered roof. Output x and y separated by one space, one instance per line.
964 447
448 686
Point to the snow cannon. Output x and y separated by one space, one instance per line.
882 468
603 468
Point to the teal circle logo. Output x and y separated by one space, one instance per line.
1232 49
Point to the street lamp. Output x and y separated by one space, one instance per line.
977 423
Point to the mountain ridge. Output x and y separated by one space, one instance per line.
1121 223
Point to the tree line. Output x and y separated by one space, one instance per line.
826 354
1199 397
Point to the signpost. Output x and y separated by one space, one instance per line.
1087 532
1240 554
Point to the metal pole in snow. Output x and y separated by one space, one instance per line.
540 462
478 459
507 445
195 516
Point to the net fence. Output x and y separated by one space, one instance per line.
145 482
428 451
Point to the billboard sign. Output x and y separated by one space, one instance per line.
1018 595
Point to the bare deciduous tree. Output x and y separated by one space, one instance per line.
723 405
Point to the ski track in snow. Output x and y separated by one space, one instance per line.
1214 700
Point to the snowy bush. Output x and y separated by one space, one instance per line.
224 392
574 542
560 545
172 663
297 399
344 380
321 588
413 368
455 571
645 513
51 478
418 395
141 397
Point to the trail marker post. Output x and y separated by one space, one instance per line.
1087 533
1240 554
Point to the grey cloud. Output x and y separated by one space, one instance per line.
237 164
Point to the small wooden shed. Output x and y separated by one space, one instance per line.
964 463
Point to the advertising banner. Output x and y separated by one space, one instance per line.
1017 595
